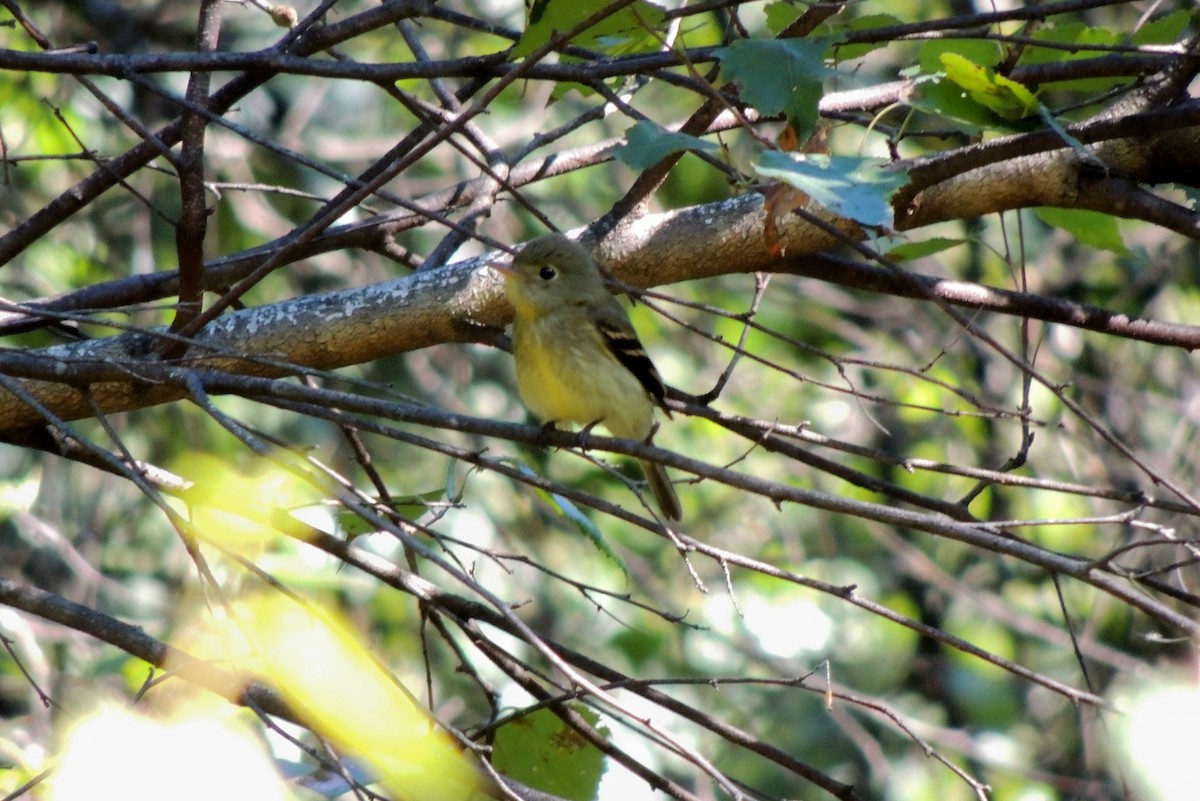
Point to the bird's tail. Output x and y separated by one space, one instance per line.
663 490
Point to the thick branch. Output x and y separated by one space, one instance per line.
458 303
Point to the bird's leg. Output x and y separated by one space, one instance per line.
547 427
585 434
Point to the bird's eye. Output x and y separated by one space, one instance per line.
547 273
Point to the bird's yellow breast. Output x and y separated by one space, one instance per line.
575 378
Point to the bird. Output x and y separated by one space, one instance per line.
578 357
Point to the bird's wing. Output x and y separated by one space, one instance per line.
622 341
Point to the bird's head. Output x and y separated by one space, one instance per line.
550 272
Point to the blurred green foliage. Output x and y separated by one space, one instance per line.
885 379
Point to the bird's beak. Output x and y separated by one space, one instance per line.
505 270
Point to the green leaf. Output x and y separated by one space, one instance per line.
1079 147
1092 228
563 88
941 97
585 525
858 188
573 513
623 31
849 52
1164 30
780 15
1069 34
582 522
1004 96
907 251
350 525
646 144
952 106
978 51
541 751
779 77
1072 35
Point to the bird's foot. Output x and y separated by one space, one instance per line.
585 435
